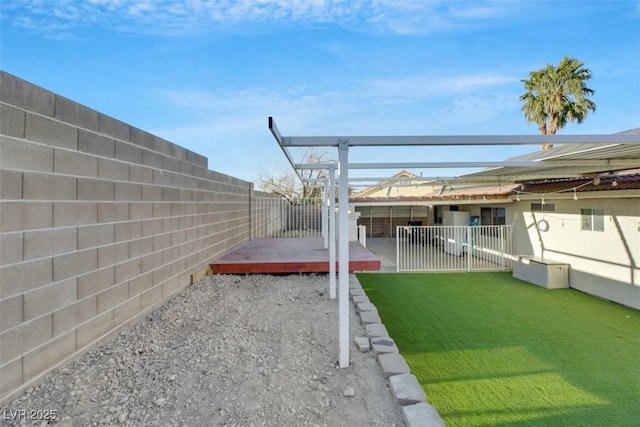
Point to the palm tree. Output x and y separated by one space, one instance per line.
557 95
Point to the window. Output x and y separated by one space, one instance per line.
592 219
539 207
493 216
437 214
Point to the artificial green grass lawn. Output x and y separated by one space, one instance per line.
489 349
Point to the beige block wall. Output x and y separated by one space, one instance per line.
100 223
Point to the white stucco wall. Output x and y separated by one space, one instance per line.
605 264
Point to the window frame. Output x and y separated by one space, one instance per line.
540 207
496 219
592 219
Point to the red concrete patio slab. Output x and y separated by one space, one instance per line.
295 255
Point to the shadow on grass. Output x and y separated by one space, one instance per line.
485 344
540 416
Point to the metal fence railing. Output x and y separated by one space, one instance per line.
454 248
276 217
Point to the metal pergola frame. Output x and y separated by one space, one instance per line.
342 143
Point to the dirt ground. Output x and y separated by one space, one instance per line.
227 351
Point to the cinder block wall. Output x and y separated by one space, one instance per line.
100 223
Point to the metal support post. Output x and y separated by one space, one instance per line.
332 232
343 251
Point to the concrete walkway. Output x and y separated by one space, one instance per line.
428 258
385 249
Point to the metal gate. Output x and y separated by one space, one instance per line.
454 248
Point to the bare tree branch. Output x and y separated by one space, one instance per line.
287 185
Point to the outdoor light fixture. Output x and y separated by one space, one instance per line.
596 180
517 197
543 225
614 183
575 195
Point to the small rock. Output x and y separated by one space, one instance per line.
362 343
218 353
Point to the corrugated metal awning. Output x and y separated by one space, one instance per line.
565 161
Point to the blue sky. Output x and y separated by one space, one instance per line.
206 74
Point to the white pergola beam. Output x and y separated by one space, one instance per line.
448 140
276 134
381 180
457 140
497 164
274 130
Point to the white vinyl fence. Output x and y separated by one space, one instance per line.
275 217
454 248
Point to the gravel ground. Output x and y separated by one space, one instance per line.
228 351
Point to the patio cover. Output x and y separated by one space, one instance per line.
566 161
594 154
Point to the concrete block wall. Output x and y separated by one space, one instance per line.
100 223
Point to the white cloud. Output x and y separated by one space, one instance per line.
139 8
434 86
482 11
372 107
233 122
179 17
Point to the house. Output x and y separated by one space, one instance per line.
580 207
393 202
590 223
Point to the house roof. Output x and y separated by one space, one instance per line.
493 192
626 180
387 181
399 185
